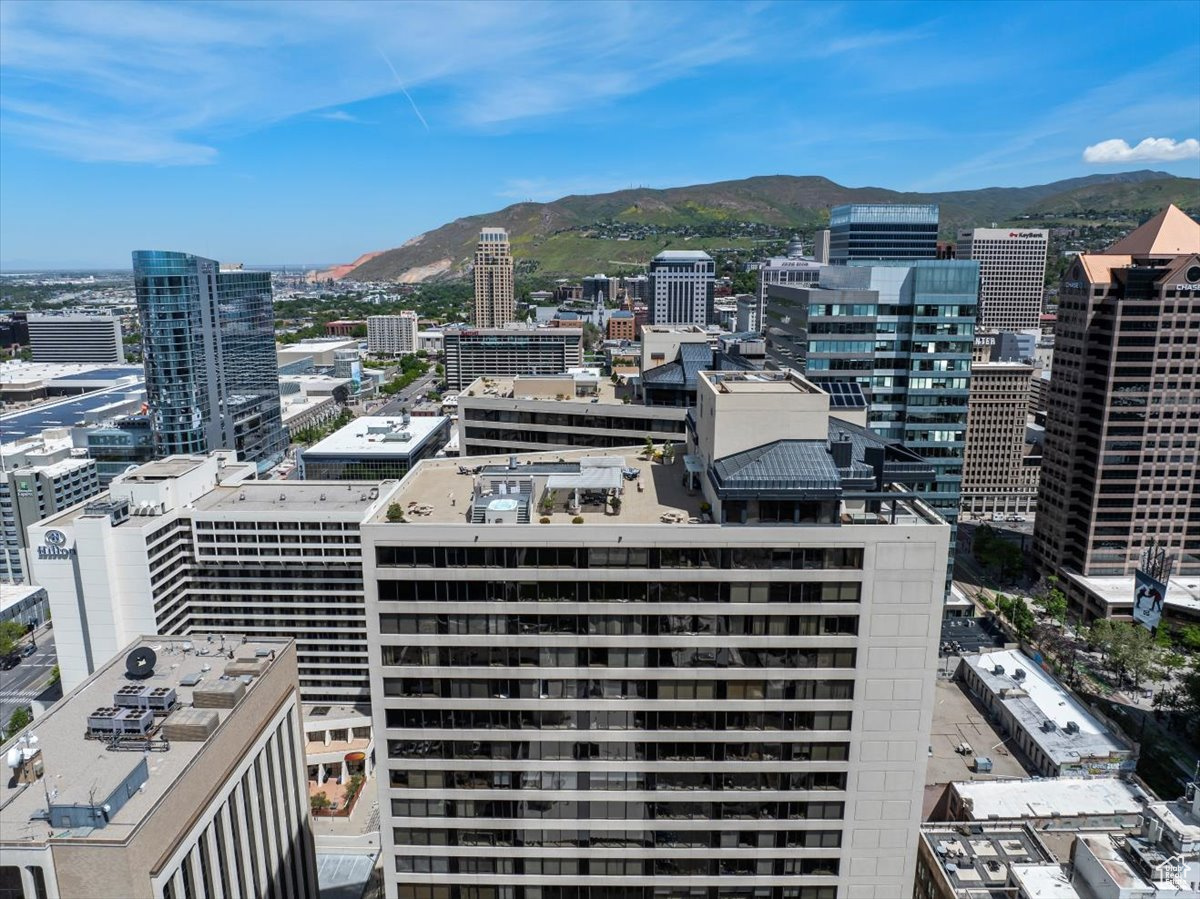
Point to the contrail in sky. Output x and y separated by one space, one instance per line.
400 84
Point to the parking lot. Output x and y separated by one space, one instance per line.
966 636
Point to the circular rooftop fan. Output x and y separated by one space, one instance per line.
140 663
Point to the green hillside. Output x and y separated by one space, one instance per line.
624 229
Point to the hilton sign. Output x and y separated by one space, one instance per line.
54 546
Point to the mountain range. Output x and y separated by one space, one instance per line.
624 229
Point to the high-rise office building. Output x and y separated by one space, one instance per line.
882 231
392 335
904 332
680 292
999 475
494 303
1012 275
504 352
721 685
174 771
196 546
1120 471
208 344
75 337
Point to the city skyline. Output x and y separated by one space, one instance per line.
381 113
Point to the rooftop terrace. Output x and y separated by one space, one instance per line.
975 859
447 491
605 392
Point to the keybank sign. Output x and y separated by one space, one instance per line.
54 546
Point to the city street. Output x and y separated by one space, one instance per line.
30 679
404 398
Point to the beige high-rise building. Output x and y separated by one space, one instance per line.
494 306
1012 274
1120 468
709 677
998 476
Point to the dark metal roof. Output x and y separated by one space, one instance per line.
794 466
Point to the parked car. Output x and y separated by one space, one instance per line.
631 474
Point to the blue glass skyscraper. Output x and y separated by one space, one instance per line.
904 332
208 343
881 231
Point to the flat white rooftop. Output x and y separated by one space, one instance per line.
1037 698
1044 881
349 500
378 435
1183 591
1048 797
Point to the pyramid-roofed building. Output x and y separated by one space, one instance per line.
1170 233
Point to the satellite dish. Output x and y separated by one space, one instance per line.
139 664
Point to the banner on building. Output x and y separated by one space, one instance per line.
1148 596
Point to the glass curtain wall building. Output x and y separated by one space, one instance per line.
208 343
879 231
904 332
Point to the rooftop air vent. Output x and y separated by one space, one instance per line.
998 670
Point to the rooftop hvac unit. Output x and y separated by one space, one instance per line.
1049 726
1019 674
140 696
1072 727
998 670
111 721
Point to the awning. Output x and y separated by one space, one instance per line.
586 479
693 464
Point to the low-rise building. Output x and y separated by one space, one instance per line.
558 412
25 604
172 771
375 448
430 341
75 337
1112 597
321 350
1055 803
622 325
954 862
344 327
1045 720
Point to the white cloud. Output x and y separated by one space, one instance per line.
1152 149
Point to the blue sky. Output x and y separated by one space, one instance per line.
313 132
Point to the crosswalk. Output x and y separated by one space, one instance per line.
19 695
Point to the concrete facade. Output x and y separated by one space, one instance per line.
626 706
494 301
221 816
